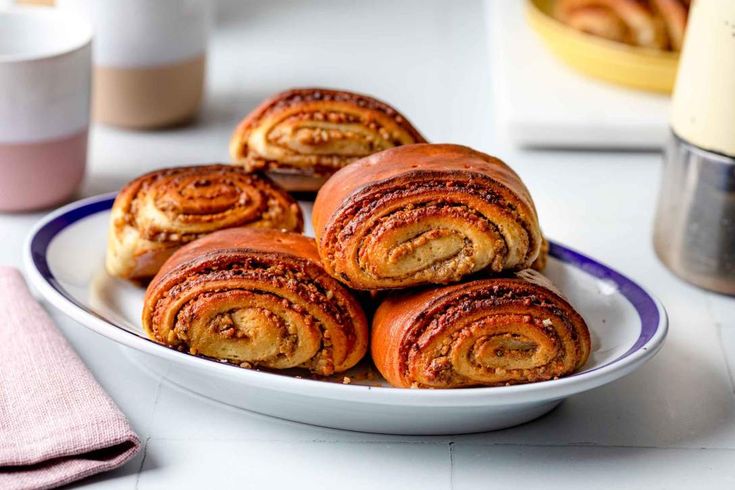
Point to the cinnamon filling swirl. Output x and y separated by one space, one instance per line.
242 296
424 214
487 332
159 212
314 132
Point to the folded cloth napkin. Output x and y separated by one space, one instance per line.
57 425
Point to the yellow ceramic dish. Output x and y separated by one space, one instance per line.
642 68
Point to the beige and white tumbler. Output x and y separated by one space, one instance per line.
149 59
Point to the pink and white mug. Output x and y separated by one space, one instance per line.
45 83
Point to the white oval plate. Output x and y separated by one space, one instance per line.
65 261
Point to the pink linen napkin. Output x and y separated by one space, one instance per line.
57 425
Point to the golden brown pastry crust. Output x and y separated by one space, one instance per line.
159 212
259 298
302 136
423 214
489 332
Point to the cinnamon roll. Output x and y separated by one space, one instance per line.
302 136
159 212
488 332
424 214
256 298
627 21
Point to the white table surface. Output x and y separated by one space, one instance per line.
669 425
546 103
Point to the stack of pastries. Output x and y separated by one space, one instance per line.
656 24
452 232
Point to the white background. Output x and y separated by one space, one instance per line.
669 425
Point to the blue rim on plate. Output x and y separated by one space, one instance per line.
649 310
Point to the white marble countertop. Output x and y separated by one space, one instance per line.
669 425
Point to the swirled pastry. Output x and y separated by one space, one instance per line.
486 332
256 297
159 212
424 214
302 136
628 21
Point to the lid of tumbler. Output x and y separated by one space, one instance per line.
703 108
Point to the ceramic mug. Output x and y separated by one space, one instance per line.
149 59
45 82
